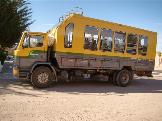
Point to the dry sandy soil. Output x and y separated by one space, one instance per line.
82 101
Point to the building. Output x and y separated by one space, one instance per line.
158 60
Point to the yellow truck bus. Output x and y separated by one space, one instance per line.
85 48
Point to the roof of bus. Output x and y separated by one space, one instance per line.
34 32
98 20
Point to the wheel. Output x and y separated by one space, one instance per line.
42 77
149 74
123 78
113 77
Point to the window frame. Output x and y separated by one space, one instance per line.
125 39
136 50
98 29
30 40
72 35
139 42
112 32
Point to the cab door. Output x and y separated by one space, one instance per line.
34 49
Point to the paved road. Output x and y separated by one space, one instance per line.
82 101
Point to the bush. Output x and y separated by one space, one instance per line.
3 56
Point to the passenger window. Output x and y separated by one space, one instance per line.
36 41
132 43
143 43
106 40
90 38
68 35
119 42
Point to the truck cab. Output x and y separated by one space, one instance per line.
31 49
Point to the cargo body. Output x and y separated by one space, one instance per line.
85 47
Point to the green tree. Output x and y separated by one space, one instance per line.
15 17
3 55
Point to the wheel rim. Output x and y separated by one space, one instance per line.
43 77
125 78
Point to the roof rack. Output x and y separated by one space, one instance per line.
76 10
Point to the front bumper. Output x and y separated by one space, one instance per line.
20 73
16 72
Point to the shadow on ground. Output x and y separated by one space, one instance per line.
16 87
141 85
138 85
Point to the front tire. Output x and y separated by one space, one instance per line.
42 77
123 78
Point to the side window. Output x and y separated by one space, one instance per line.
68 35
91 38
106 40
33 41
119 42
26 42
132 43
36 41
143 43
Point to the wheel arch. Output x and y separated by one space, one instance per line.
46 64
127 68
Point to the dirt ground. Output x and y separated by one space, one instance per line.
82 101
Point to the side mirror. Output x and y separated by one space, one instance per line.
25 45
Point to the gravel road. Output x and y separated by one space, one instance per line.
82 101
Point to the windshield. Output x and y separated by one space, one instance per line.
26 42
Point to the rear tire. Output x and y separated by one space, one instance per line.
123 78
114 76
42 77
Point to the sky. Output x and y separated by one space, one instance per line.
145 14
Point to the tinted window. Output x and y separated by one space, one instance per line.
90 38
68 35
132 43
119 42
142 47
106 40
